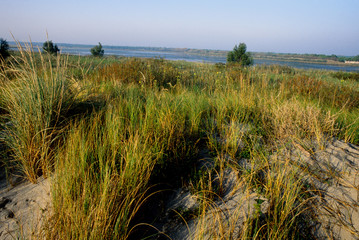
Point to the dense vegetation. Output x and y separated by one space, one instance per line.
108 130
356 58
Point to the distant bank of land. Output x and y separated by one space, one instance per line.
83 49
286 57
308 58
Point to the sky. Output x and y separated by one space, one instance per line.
281 26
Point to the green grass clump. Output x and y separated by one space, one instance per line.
96 196
34 102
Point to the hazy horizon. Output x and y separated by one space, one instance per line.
312 27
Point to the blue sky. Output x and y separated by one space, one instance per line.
306 26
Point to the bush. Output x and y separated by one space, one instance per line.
239 55
49 47
97 51
4 49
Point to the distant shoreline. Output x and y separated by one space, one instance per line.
306 61
316 58
331 63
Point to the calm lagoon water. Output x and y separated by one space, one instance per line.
77 49
139 52
309 65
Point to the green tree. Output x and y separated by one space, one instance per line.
240 55
49 47
97 51
356 58
4 49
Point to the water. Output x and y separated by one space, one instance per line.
141 52
147 52
309 65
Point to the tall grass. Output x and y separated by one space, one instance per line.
97 195
137 137
34 99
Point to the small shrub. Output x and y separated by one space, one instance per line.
240 55
4 49
49 47
97 51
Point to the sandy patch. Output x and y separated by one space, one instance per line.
23 208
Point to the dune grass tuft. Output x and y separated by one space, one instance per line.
34 98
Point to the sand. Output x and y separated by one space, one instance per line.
24 207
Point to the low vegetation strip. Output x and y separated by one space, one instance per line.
115 133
